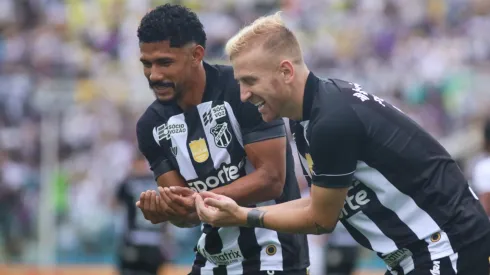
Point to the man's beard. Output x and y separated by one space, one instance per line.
165 84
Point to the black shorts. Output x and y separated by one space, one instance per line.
470 260
140 260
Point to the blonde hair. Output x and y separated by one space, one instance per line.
268 32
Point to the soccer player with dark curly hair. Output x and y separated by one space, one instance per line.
198 136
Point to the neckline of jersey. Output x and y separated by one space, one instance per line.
311 88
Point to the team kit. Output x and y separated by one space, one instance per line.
219 132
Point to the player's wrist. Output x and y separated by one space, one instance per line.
255 218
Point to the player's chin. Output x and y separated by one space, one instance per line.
165 98
268 117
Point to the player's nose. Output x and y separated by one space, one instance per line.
156 75
245 94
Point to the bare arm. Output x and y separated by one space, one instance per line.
267 181
485 201
189 221
316 216
182 215
294 204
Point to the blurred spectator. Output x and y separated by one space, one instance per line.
481 174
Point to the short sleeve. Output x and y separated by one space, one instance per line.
334 147
481 177
254 129
154 153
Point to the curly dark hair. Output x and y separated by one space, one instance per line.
175 23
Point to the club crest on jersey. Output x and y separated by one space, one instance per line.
199 150
221 134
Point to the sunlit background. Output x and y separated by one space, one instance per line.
72 88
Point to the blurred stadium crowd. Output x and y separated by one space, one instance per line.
73 65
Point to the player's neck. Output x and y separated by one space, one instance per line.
195 91
297 95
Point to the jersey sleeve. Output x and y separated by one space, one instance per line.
481 177
336 138
155 154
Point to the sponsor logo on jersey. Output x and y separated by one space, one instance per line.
223 176
216 112
356 199
165 131
221 134
224 258
199 150
219 111
393 259
436 268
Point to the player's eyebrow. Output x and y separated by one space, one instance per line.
247 78
157 60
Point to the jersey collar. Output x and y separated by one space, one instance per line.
212 75
311 88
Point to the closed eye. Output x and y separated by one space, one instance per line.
146 64
247 80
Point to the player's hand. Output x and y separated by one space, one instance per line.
184 196
179 201
152 207
220 211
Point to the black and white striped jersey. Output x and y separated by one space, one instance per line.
205 144
407 198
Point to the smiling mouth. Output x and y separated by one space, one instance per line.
260 104
161 89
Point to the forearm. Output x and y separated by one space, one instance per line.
293 217
189 221
485 201
319 215
294 204
254 188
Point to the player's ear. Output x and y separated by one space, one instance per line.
197 55
287 71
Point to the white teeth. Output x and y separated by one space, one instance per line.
260 104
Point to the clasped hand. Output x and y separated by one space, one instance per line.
172 204
175 204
